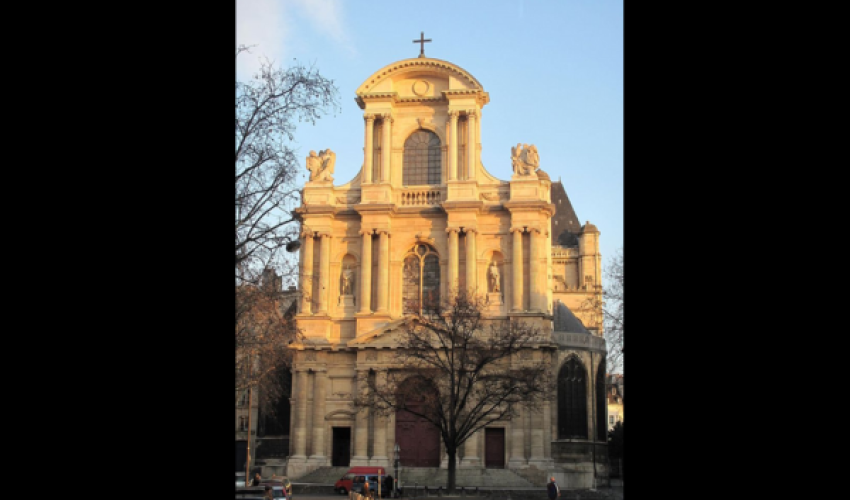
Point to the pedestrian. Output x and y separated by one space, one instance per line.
552 489
257 479
367 492
268 493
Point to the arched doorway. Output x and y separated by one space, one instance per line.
418 439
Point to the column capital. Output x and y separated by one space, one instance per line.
369 116
472 113
454 114
470 230
364 232
387 117
306 232
450 230
535 230
519 229
324 234
383 231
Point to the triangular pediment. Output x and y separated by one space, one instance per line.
387 335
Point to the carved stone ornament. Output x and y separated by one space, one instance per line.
321 166
491 196
348 200
524 159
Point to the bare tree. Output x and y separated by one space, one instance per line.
461 372
267 110
263 334
613 311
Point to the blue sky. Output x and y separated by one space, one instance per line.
553 69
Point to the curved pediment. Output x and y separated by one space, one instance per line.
419 79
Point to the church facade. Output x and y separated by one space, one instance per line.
424 218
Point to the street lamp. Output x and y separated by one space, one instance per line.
396 458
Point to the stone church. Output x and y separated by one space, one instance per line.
424 217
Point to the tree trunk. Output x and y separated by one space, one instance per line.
450 487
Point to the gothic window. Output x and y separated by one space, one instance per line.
422 153
601 403
572 400
421 280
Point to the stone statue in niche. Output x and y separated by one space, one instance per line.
493 275
348 278
321 166
524 159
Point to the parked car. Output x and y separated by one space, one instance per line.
345 484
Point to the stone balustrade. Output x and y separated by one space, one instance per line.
420 197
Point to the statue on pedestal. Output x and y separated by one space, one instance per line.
524 159
493 275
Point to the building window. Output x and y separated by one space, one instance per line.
601 403
572 400
421 280
243 399
243 423
422 154
611 419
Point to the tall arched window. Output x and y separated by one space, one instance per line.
601 404
572 401
422 153
421 275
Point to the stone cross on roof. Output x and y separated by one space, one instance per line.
422 41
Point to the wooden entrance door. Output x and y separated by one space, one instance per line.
418 439
494 448
341 452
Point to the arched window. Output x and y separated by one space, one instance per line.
601 403
572 401
421 275
422 153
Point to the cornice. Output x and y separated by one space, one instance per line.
424 63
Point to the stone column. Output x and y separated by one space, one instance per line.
379 451
470 452
547 430
517 457
534 270
307 273
324 273
367 159
301 416
536 457
366 272
386 147
453 115
361 426
516 269
383 271
319 381
453 260
471 261
471 146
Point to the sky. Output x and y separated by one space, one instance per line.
553 69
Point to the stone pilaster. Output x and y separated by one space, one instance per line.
369 146
361 427
324 273
537 457
386 148
301 416
319 388
535 277
366 272
470 452
453 116
516 269
517 456
383 271
472 114
453 260
379 452
307 273
471 261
